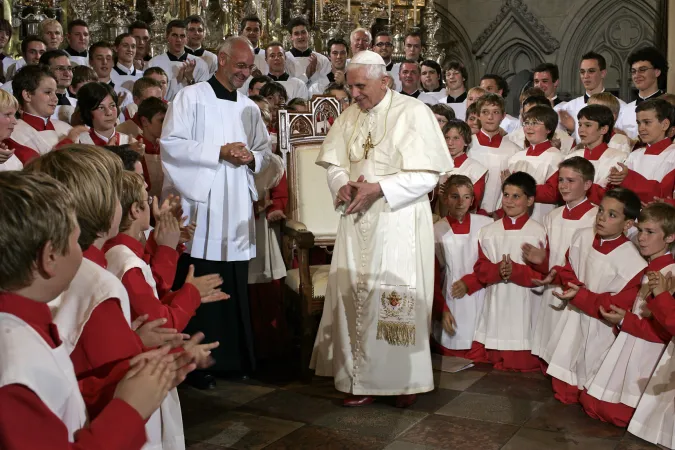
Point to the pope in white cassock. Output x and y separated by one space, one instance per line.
213 140
382 157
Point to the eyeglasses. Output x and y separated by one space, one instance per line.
384 44
532 123
640 70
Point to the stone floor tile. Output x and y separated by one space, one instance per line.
531 439
571 419
320 438
491 408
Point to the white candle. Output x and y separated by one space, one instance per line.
349 8
389 12
414 12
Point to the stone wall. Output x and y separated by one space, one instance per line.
510 36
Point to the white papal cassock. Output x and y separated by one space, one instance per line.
216 194
374 332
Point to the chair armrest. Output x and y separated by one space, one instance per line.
299 233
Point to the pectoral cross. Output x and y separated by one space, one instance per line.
367 146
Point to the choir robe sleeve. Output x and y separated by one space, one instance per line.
596 193
565 274
279 195
590 302
403 188
98 392
106 340
163 263
662 307
648 189
523 274
478 192
177 307
543 267
644 328
25 154
548 192
26 423
440 305
486 271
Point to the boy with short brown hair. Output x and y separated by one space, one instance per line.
41 403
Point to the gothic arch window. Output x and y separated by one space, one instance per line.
455 41
613 29
512 58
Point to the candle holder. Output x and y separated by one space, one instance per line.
27 15
159 10
432 23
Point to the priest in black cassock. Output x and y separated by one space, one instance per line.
213 140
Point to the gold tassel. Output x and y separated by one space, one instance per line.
402 334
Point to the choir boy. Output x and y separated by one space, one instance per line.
455 81
458 298
473 94
141 32
496 84
8 108
60 65
250 28
78 42
618 140
337 52
101 60
646 64
145 87
409 76
655 412
182 68
42 406
491 149
304 63
150 115
443 114
32 47
431 79
457 138
124 73
575 177
99 111
528 100
541 158
472 119
276 61
51 33
592 71
546 77
615 390
650 171
81 76
35 133
124 254
93 313
595 128
196 32
158 74
508 279
602 268
5 37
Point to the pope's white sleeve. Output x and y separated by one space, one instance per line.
337 177
404 188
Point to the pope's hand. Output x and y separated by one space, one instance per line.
236 153
366 194
344 195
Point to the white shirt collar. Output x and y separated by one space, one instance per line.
124 68
581 202
44 119
602 241
103 137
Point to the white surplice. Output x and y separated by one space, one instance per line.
580 342
201 72
125 76
457 254
577 104
609 158
216 194
630 361
517 136
374 331
40 141
559 232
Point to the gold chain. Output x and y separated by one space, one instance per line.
369 142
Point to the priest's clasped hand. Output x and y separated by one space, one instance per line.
366 194
236 153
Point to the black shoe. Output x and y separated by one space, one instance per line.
200 380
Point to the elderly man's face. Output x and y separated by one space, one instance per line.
236 67
366 92
359 42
